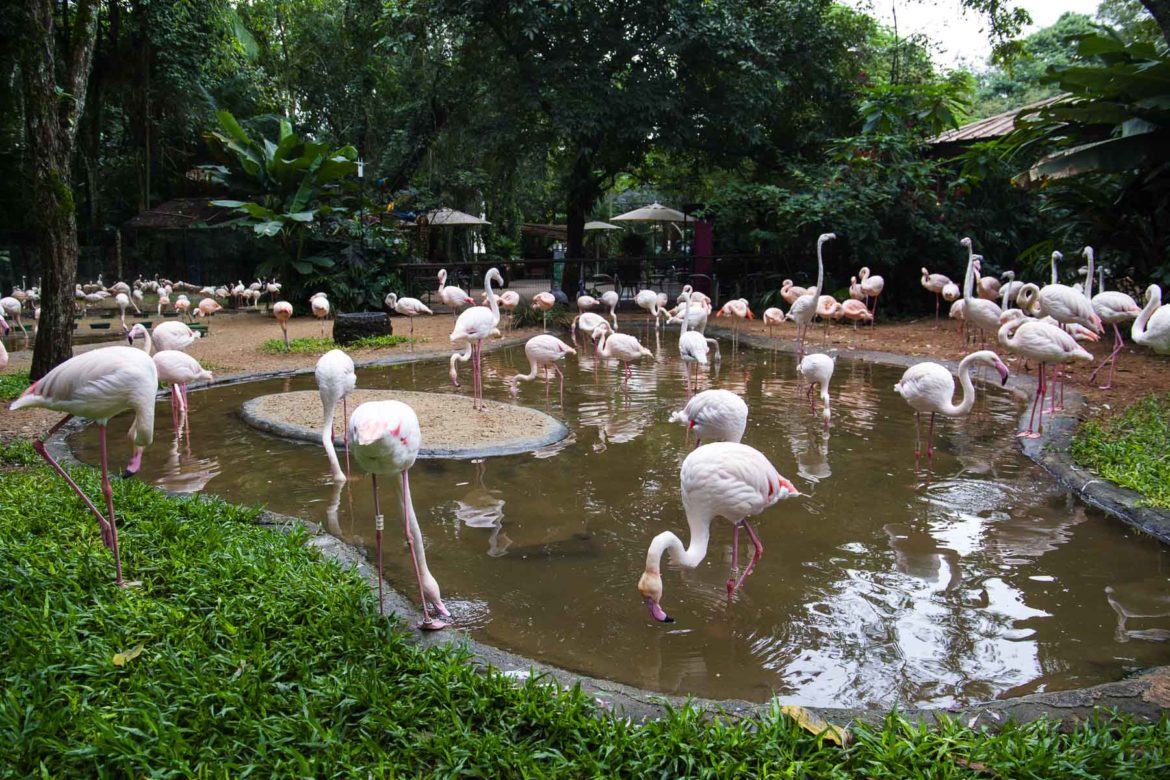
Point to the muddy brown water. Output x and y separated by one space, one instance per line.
884 584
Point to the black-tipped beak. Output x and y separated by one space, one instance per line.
668 619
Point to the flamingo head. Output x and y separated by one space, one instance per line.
650 586
1002 369
135 332
391 300
823 237
1057 256
494 275
787 489
1087 253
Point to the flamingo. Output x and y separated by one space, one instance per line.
179 369
790 292
817 369
543 302
692 345
453 296
714 415
98 385
872 286
123 301
164 300
283 311
620 346
182 305
696 316
855 289
828 309
648 300
588 322
723 479
335 380
1043 343
1113 308
928 387
544 351
855 312
407 307
10 307
934 283
978 312
4 328
319 303
474 326
1152 327
172 335
207 307
987 287
1066 304
772 316
1010 289
586 302
508 301
737 308
805 307
386 437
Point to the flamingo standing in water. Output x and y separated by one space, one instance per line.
1152 327
738 309
977 312
335 380
283 311
692 345
771 317
714 415
928 387
386 437
407 307
320 306
585 302
610 299
1114 308
474 326
453 296
1044 343
817 370
620 346
648 300
723 479
588 323
544 351
98 385
805 307
934 283
178 369
543 302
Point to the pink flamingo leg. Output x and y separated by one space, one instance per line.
39 446
345 432
917 437
428 624
562 376
731 580
108 490
378 541
756 555
930 438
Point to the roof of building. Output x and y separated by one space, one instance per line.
990 127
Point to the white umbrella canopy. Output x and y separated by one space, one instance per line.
655 212
448 216
601 226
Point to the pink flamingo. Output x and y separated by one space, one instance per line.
610 299
855 312
828 308
977 312
543 302
386 437
588 323
1068 306
928 387
771 317
283 311
790 292
737 308
1113 308
4 329
934 283
171 335
714 415
586 302
1044 343
805 306
207 307
473 327
723 479
319 303
98 385
1152 327
544 351
872 286
453 296
178 369
621 346
407 307
335 380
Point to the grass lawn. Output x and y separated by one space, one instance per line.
1131 449
315 346
244 653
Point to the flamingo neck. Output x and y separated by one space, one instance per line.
430 586
147 342
683 556
327 442
1054 277
968 389
491 296
820 268
533 368
1138 332
686 315
1089 277
442 279
969 279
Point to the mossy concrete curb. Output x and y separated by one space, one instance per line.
1144 695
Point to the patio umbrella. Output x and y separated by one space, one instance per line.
448 216
591 226
655 212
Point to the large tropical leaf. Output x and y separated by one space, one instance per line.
1114 155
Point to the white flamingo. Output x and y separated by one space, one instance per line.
1152 327
817 370
619 346
544 351
283 311
648 300
805 307
1044 343
723 479
453 296
977 312
714 415
872 286
1114 308
335 380
929 387
4 328
123 302
543 303
173 335
407 307
386 438
610 299
693 347
472 328
319 303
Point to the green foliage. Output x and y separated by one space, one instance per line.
243 653
1131 449
319 346
13 384
524 316
922 109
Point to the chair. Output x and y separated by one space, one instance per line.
629 278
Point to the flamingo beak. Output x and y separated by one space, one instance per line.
1003 372
656 611
787 489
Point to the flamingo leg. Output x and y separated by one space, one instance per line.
186 411
930 438
937 303
562 376
108 490
917 437
410 524
378 522
731 579
1037 400
39 446
756 554
344 433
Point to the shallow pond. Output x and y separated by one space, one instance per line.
884 584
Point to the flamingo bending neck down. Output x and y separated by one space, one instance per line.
386 438
817 370
544 351
97 385
611 299
335 380
723 479
772 317
929 387
1152 327
178 369
714 415
737 309
474 326
648 300
692 345
1044 343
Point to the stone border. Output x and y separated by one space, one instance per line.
559 431
1145 695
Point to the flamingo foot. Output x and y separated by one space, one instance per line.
730 586
1029 435
431 624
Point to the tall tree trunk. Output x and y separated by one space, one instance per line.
1160 10
583 190
51 121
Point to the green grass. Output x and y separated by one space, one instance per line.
13 384
258 658
319 346
1131 449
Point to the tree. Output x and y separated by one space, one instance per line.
53 110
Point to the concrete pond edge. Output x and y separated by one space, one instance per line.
1145 694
